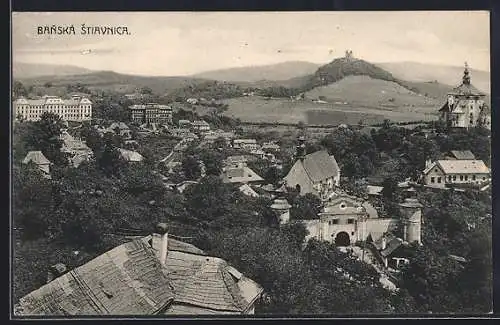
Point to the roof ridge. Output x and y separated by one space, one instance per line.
237 300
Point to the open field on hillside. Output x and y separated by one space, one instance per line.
366 91
257 109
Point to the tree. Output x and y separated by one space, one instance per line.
32 201
191 167
303 206
218 205
19 90
44 135
272 175
108 158
213 161
390 187
220 142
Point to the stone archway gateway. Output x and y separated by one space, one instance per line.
342 239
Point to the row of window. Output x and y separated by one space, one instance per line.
454 178
53 106
336 221
54 110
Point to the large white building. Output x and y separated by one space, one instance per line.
77 108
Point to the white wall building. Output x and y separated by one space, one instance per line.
75 109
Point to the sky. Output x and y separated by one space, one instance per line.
185 43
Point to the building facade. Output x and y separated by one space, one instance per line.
465 106
151 113
443 173
77 108
345 220
201 126
245 144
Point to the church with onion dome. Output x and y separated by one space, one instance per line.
465 106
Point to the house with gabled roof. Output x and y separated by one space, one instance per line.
38 158
121 129
446 172
151 275
317 173
240 175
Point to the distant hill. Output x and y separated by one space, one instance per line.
362 90
449 75
115 81
273 72
22 70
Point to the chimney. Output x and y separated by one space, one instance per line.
162 230
428 162
56 271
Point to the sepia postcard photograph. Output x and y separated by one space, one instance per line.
250 164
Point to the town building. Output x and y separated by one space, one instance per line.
121 129
77 150
245 144
77 108
445 173
183 133
258 153
38 158
200 126
270 146
389 251
211 136
317 173
152 275
374 191
184 123
151 113
240 175
465 106
130 156
235 161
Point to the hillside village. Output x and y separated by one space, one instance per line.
178 208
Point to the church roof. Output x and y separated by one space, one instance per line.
466 88
320 165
